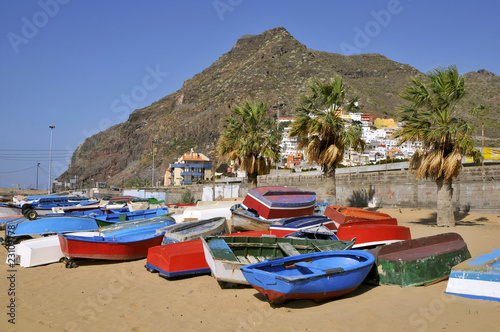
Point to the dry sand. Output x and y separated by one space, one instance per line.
125 297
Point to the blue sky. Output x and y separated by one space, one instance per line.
83 66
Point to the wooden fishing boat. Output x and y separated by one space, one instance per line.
343 214
225 255
315 232
477 278
280 202
124 241
43 204
112 218
418 261
299 223
40 251
184 258
9 209
21 228
373 234
243 220
316 276
194 229
83 206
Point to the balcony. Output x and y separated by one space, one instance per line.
191 174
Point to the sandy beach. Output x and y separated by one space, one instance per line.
124 296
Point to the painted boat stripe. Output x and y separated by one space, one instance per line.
481 260
474 287
493 275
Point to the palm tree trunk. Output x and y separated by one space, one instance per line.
330 185
252 180
445 213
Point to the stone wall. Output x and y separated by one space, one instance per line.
474 190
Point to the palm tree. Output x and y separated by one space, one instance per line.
431 116
251 139
323 132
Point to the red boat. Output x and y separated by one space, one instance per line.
280 202
370 234
125 241
344 214
187 258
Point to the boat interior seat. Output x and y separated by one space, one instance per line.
288 249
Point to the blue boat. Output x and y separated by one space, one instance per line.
314 232
113 218
23 227
316 276
300 223
33 206
477 278
123 241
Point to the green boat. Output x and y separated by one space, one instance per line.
419 261
225 255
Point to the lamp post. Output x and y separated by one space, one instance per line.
153 171
278 106
50 160
37 165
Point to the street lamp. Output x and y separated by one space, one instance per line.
153 171
37 165
50 159
277 107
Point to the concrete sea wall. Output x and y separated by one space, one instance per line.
476 189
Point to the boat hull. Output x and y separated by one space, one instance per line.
244 221
280 202
7 210
344 214
42 250
300 223
370 235
318 276
418 261
477 278
192 230
49 225
107 250
123 241
113 218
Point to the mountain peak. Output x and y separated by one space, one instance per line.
272 67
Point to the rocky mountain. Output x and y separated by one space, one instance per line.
272 67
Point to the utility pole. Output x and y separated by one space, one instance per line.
153 172
37 165
50 160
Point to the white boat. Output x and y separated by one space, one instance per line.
7 210
207 210
40 251
477 278
194 229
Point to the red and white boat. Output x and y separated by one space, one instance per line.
280 202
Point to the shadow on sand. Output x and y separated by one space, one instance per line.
304 304
459 220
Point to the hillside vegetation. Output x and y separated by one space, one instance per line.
272 67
